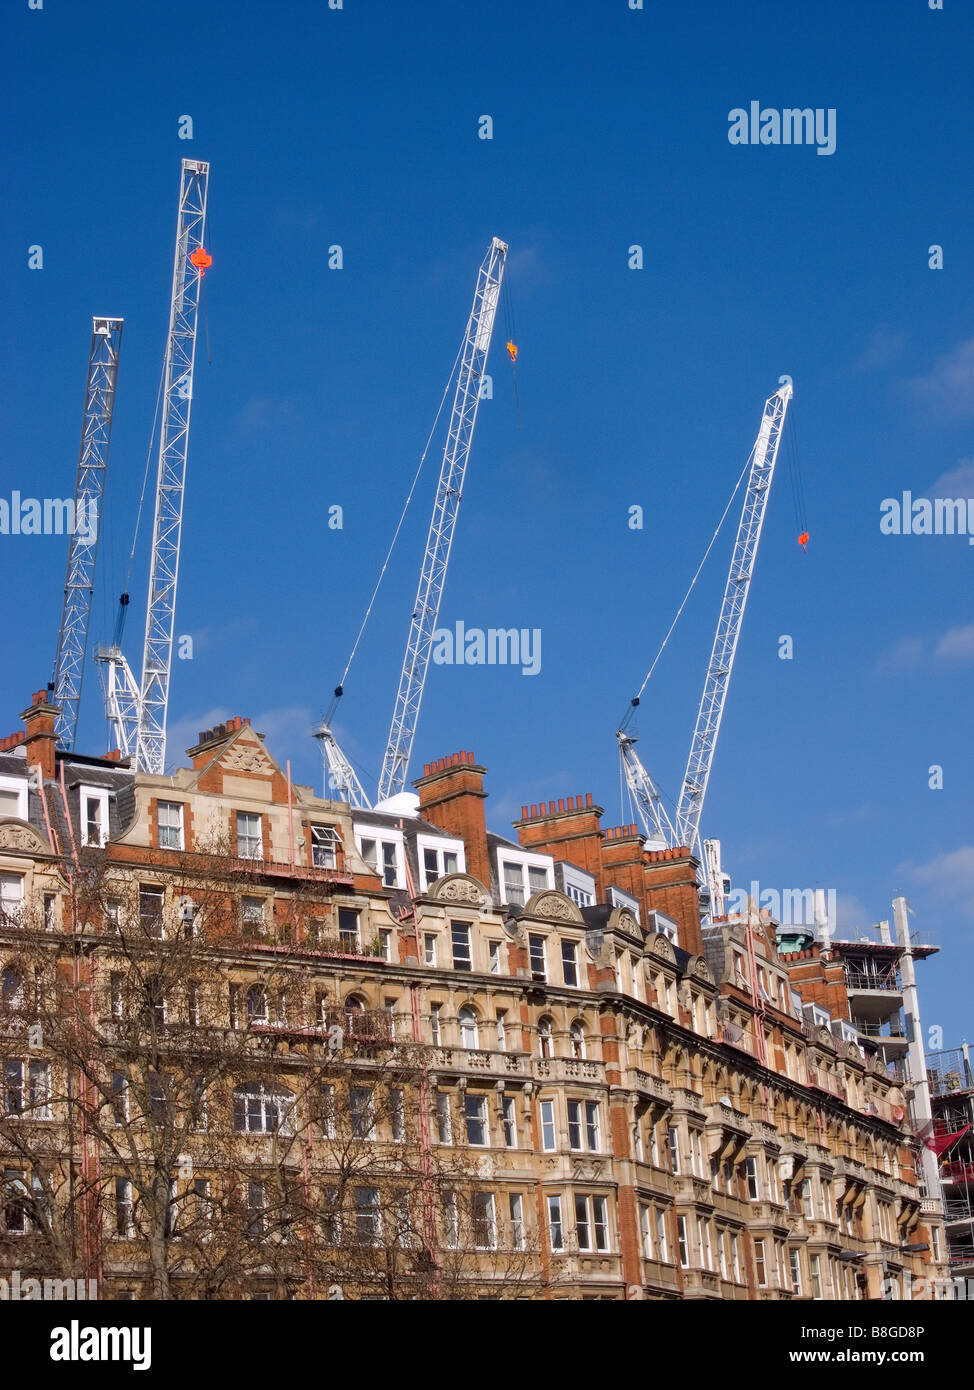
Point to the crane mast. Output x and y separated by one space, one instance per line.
96 434
711 711
150 747
473 358
340 776
652 813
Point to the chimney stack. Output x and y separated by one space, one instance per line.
452 796
40 739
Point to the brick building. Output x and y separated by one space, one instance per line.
528 1043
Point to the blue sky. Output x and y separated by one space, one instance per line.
359 127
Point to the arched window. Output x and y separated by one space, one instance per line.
355 1014
544 1036
262 1109
469 1035
577 1036
257 1004
11 988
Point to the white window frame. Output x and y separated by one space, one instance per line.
578 885
555 1223
475 1113
20 786
683 1242
516 1209
617 898
253 853
464 965
569 957
429 949
178 827
519 863
99 795
382 836
444 1118
326 840
438 846
494 957
469 1025
548 1129
489 1205
509 1121
538 945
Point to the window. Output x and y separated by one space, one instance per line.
645 1231
397 1114
26 1089
773 1187
193 1004
404 1222
723 1241
170 824
368 1218
751 1174
654 1144
252 915
805 1192
555 1231
501 1030
661 1242
348 930
257 1004
361 1111
574 1124
50 910
600 1222
548 1125
115 983
124 1209
429 948
516 1208
94 815
815 1275
509 1121
325 846
673 1135
451 1225
11 895
331 1219
569 962
475 1109
696 1152
494 956
444 1120
576 1037
593 1128
583 1232
384 940
11 988
13 798
250 843
760 1271
681 1237
262 1109
113 915
382 853
326 1111
150 911
469 1030
537 879
795 1264
544 1037
438 862
484 1221
536 950
513 884
460 936
120 1098
435 1033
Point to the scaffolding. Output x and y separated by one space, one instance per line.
952 1092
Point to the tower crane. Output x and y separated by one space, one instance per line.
96 434
684 829
412 679
471 362
137 713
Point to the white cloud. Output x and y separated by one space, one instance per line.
949 877
955 647
883 345
950 382
956 482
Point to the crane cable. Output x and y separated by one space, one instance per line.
635 701
797 485
368 612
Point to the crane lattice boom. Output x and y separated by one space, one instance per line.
96 434
150 750
697 775
473 358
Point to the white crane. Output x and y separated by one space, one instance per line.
471 361
412 679
137 713
96 434
685 827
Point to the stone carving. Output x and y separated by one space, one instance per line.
244 757
460 888
18 835
552 905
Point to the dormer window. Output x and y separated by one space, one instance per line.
170 825
521 880
439 859
325 844
13 798
94 815
383 855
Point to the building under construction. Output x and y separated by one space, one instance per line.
951 1082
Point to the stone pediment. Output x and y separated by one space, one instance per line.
553 906
698 969
247 755
661 947
460 888
18 835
